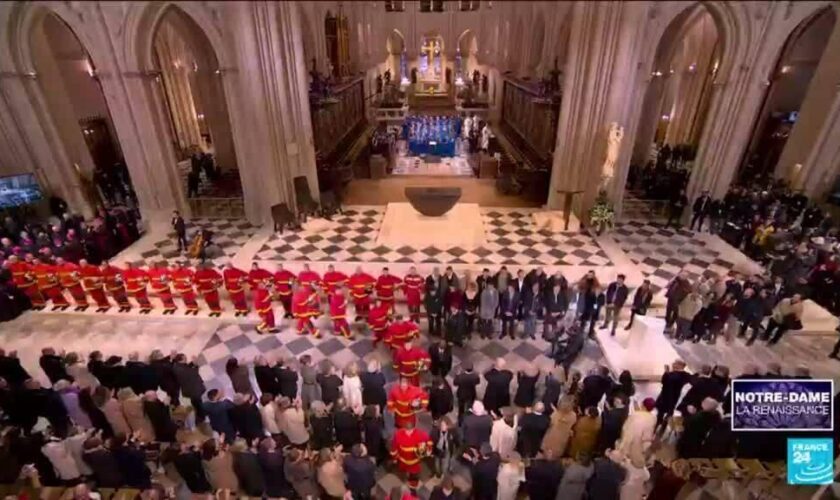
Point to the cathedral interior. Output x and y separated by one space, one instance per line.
582 139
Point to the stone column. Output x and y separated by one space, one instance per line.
174 56
813 114
820 171
211 94
588 81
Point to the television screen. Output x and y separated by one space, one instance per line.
17 190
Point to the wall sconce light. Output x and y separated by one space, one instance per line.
787 69
200 116
195 67
671 71
31 74
89 68
656 74
766 82
692 67
666 118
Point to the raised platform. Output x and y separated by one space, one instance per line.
554 221
404 226
642 350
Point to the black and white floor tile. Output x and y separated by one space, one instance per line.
512 239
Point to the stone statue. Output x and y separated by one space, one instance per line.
387 76
485 137
378 84
614 137
467 128
485 84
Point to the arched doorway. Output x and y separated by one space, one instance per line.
466 56
196 113
674 109
787 87
395 47
78 114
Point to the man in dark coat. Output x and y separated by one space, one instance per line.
542 478
162 365
485 469
477 426
180 228
218 410
191 383
465 381
189 467
287 379
593 387
11 369
140 376
456 326
348 431
373 387
700 209
605 483
677 290
359 473
246 418
54 366
158 414
612 420
132 463
266 378
106 470
43 402
614 299
697 424
434 310
509 310
702 386
532 428
441 358
497 393
673 381
556 305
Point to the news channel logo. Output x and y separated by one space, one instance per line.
810 461
782 405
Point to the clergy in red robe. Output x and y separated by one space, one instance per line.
410 361
413 285
24 279
361 286
94 284
408 448
338 313
235 280
304 302
46 276
257 276
262 303
378 321
159 285
284 280
182 280
71 280
207 282
135 286
386 285
406 401
309 278
333 280
115 285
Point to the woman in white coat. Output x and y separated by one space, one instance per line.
352 387
511 474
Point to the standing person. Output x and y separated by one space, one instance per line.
585 432
690 316
334 280
159 278
235 279
446 445
488 304
466 382
71 280
360 471
673 380
676 206
700 209
456 326
575 478
542 477
284 280
511 475
411 361
135 286
361 287
612 421
616 296
180 228
262 304
409 447
386 285
676 291
497 393
115 285
413 285
240 379
434 310
373 386
607 478
190 382
405 401
348 428
485 472
641 302
533 427
305 305
287 378
351 386
638 431
588 289
310 389
471 306
373 429
503 433
440 354
508 310
441 401
532 307
182 280
330 383
217 408
331 474
526 386
556 305
338 312
786 315
207 282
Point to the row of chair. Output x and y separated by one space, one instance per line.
283 217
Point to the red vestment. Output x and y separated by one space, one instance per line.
386 285
361 285
333 280
207 282
23 278
47 279
310 278
338 313
257 277
400 332
94 283
411 362
408 448
235 285
71 280
405 404
378 321
262 303
182 281
115 286
135 286
304 309
159 285
283 281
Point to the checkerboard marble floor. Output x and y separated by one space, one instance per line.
661 252
511 240
229 236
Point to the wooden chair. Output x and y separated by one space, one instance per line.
282 217
330 204
306 205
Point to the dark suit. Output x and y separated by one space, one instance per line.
556 305
509 303
441 356
497 393
180 228
466 383
532 429
700 210
672 385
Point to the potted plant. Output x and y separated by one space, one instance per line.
601 215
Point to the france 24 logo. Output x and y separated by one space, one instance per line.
810 461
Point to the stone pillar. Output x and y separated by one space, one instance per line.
211 94
174 57
815 109
588 81
820 171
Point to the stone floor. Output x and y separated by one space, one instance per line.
639 246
